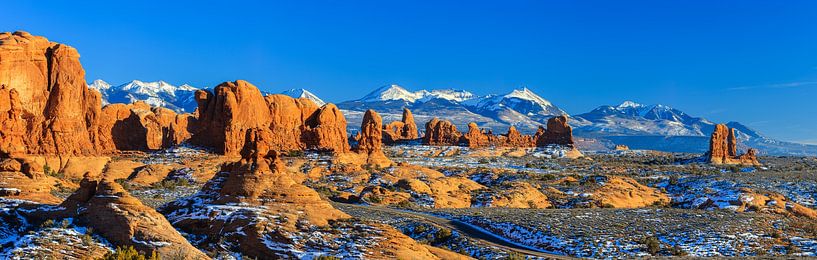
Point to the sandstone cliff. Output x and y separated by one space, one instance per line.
140 127
233 110
723 148
45 105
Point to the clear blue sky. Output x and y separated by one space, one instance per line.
749 61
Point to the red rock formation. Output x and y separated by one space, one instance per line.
370 133
138 126
326 130
227 116
557 132
52 99
516 139
124 221
723 148
405 129
441 132
475 137
481 138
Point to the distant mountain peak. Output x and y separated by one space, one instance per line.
158 93
303 93
630 104
391 92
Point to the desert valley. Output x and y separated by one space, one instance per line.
147 169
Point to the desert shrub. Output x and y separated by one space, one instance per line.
88 237
129 253
677 251
515 256
442 235
65 223
124 183
419 229
653 245
48 224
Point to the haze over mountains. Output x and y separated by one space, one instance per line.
639 126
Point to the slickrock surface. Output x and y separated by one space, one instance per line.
45 104
124 220
723 148
558 132
234 109
441 132
405 129
255 207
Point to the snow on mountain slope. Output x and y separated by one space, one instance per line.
303 93
396 92
520 107
630 118
159 93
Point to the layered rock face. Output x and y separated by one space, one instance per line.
140 127
441 132
480 138
124 220
402 130
558 132
723 148
236 115
45 105
47 108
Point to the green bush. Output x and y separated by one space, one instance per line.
653 245
129 253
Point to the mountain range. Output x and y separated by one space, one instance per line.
655 127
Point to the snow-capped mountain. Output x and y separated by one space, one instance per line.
159 93
515 105
630 118
303 93
395 92
520 107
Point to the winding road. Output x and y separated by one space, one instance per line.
480 236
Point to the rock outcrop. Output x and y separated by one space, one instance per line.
235 116
481 138
441 132
723 148
124 221
45 104
402 130
558 132
47 108
140 127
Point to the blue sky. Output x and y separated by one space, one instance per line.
749 61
